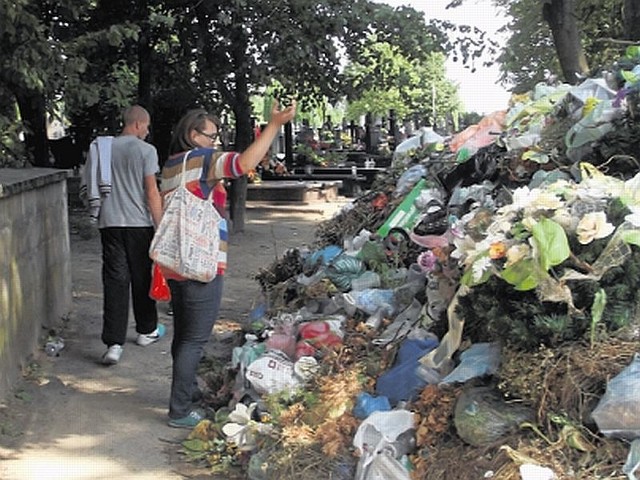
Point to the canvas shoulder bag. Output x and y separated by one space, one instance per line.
187 240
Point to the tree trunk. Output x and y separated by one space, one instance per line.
144 67
561 17
631 17
242 110
33 113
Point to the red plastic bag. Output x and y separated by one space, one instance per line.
159 290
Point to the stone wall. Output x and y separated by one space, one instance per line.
35 263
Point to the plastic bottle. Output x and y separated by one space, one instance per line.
53 347
375 319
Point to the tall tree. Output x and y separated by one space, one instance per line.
239 47
562 19
384 79
631 17
530 49
29 58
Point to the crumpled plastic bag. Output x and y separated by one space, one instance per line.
474 137
409 179
272 373
633 460
383 438
424 136
372 300
343 269
591 128
323 256
478 360
402 381
618 411
482 416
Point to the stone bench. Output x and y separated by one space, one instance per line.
293 191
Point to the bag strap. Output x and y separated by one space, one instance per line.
184 178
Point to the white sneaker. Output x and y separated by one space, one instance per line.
112 355
147 339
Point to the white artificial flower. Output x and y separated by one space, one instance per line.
593 226
479 267
521 198
631 191
561 187
543 200
529 223
634 217
242 429
517 252
601 186
465 246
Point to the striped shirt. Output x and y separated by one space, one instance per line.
204 171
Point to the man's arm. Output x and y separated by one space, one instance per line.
154 202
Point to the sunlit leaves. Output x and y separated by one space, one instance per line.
383 78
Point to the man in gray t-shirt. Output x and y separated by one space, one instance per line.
127 219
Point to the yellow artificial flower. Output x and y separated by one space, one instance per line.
497 250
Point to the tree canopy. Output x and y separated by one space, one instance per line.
531 50
94 57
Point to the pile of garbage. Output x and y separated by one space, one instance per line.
476 314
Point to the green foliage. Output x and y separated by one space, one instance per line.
170 55
597 309
552 243
520 319
383 78
530 49
523 275
277 403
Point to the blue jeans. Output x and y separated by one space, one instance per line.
195 310
126 269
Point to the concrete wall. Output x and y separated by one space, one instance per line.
35 263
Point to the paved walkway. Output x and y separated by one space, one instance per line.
74 419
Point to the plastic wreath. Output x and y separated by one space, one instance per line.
529 239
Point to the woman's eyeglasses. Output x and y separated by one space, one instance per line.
211 136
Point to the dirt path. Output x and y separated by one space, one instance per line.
72 418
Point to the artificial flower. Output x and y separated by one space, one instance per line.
517 252
520 199
427 261
497 250
242 429
463 248
634 217
529 223
631 192
593 226
499 227
479 267
543 200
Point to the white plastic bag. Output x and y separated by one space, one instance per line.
378 440
618 412
272 373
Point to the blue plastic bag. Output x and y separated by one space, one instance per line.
366 404
402 382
